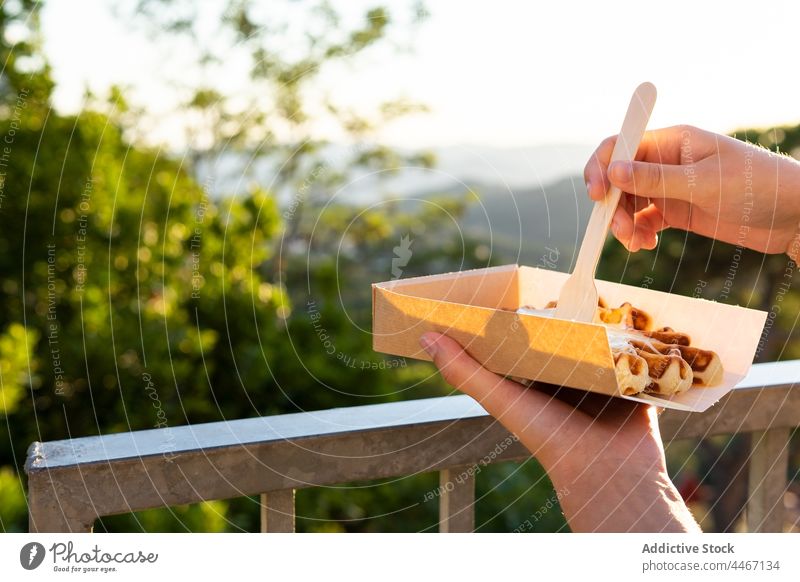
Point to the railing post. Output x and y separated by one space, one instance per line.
767 479
277 511
49 512
457 499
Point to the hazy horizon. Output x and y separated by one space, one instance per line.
487 81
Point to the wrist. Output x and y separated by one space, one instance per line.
625 496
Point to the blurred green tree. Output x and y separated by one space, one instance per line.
135 297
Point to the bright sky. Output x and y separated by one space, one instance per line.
513 73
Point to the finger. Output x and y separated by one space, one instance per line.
643 238
530 414
632 228
637 203
461 371
662 146
647 223
679 144
594 173
679 214
649 219
669 146
622 222
650 179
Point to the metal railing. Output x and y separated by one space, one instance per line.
73 482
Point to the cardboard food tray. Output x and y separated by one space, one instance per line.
478 309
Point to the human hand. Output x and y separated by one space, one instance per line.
605 454
706 183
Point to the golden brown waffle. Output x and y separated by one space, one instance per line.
658 361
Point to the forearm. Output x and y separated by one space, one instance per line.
643 500
789 189
604 455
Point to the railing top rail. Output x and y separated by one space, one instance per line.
772 374
206 436
325 423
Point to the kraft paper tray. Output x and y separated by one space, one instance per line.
478 309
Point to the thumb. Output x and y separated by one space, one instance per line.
650 179
461 371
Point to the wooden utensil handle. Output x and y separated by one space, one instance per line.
639 110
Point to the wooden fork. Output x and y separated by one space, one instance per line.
578 298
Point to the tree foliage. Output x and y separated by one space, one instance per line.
134 297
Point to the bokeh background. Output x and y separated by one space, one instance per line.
188 191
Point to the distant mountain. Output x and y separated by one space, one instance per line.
526 224
514 167
456 167
459 166
524 207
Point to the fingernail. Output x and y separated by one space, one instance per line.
428 344
621 171
589 188
615 226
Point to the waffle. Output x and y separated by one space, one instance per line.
660 361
